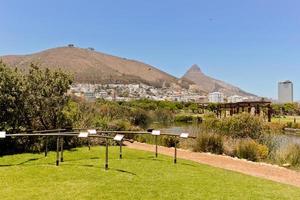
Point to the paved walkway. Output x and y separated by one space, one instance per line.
262 170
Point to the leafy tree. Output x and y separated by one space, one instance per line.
13 116
34 100
47 96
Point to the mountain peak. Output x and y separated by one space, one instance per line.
208 84
194 69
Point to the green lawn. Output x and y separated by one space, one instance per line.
138 176
286 119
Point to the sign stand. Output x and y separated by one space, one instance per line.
57 151
106 154
156 154
156 133
119 138
184 136
91 132
175 155
46 147
120 149
62 150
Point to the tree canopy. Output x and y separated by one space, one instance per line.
32 100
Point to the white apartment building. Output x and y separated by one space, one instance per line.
235 99
216 97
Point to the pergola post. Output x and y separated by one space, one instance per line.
269 114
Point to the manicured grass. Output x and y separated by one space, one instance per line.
138 176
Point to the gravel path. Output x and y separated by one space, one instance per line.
262 170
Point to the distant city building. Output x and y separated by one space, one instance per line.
285 92
90 96
126 92
235 99
216 97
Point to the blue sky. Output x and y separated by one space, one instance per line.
252 44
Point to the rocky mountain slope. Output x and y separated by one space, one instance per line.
210 84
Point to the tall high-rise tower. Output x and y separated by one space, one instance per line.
285 92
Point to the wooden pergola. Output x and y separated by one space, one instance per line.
257 107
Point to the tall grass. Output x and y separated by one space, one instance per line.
289 155
209 142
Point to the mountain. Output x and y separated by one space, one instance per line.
89 66
209 84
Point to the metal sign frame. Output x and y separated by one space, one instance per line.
155 132
87 133
2 134
83 134
184 135
119 137
92 131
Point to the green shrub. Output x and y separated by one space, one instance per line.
120 125
183 118
161 140
209 142
169 141
251 150
187 118
242 126
274 128
163 116
210 122
271 141
139 117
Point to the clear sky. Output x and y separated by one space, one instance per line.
250 43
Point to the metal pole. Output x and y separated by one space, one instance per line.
156 146
121 149
106 154
62 150
175 155
46 147
57 151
